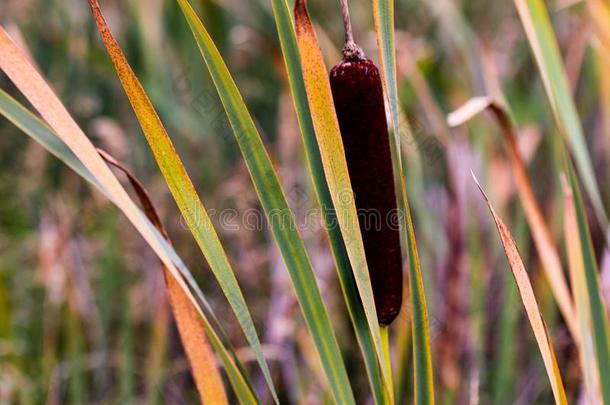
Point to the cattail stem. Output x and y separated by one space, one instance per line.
350 49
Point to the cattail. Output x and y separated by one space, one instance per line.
358 97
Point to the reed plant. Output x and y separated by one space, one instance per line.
252 134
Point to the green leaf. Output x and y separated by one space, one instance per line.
41 133
537 24
288 43
422 366
576 263
276 209
383 11
597 310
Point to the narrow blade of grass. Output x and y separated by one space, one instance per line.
577 274
541 233
383 11
276 209
529 302
200 356
326 128
183 191
37 130
504 369
292 60
597 311
420 329
535 19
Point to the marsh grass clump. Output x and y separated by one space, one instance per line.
155 288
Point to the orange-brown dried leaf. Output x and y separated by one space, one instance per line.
531 306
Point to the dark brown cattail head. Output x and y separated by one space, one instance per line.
358 97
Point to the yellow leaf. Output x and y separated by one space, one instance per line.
531 306
541 233
196 345
192 334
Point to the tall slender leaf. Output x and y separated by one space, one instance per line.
276 209
549 256
288 43
196 346
537 24
182 189
529 302
597 310
383 12
586 350
420 329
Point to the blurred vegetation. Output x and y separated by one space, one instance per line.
83 313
